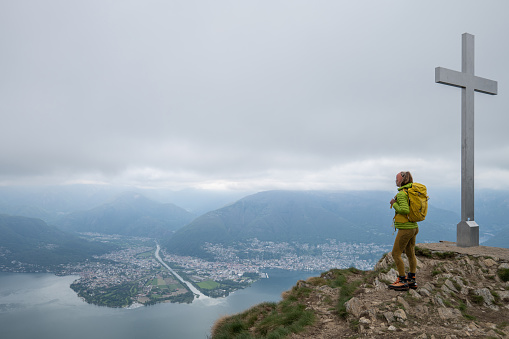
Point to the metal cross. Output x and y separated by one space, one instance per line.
467 229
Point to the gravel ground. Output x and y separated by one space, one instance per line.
447 246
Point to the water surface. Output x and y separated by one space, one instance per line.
39 305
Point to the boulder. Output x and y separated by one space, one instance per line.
354 306
488 298
448 313
400 315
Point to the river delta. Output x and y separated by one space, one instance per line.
140 273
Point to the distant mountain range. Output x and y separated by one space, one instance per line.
305 217
51 202
32 241
129 214
282 216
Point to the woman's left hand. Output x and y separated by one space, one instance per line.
393 201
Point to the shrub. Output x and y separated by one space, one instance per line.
423 252
503 274
445 255
477 299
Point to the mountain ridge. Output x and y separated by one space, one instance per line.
305 217
129 213
461 294
31 241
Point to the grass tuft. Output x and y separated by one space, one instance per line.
423 252
503 274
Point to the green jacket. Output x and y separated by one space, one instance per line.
402 209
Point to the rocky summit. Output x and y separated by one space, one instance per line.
462 293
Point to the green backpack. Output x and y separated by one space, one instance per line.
417 201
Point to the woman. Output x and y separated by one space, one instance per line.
407 232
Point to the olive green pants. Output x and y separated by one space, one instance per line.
405 242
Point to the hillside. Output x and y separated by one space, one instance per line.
460 295
32 241
129 214
305 217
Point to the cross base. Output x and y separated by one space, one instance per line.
467 234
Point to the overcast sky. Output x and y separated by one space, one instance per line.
249 95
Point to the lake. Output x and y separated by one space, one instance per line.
43 306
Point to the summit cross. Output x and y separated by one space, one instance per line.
467 229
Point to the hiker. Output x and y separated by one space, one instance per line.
407 232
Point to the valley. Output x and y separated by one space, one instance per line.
132 276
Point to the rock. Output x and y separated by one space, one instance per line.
371 313
458 281
492 334
464 290
379 285
404 303
451 286
421 311
488 298
446 289
504 295
473 326
302 283
438 301
491 325
391 276
400 315
429 286
363 320
389 316
490 262
392 328
448 313
424 291
354 306
414 294
385 262
503 265
422 336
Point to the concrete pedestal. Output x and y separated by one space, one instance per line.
467 234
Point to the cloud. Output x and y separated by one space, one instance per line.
244 94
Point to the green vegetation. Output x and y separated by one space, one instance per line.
347 288
165 288
145 255
503 274
220 288
503 325
208 285
476 299
445 255
424 252
278 320
267 320
114 296
251 275
217 289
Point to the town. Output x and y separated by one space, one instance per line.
132 276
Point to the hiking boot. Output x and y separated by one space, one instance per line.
400 284
411 281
